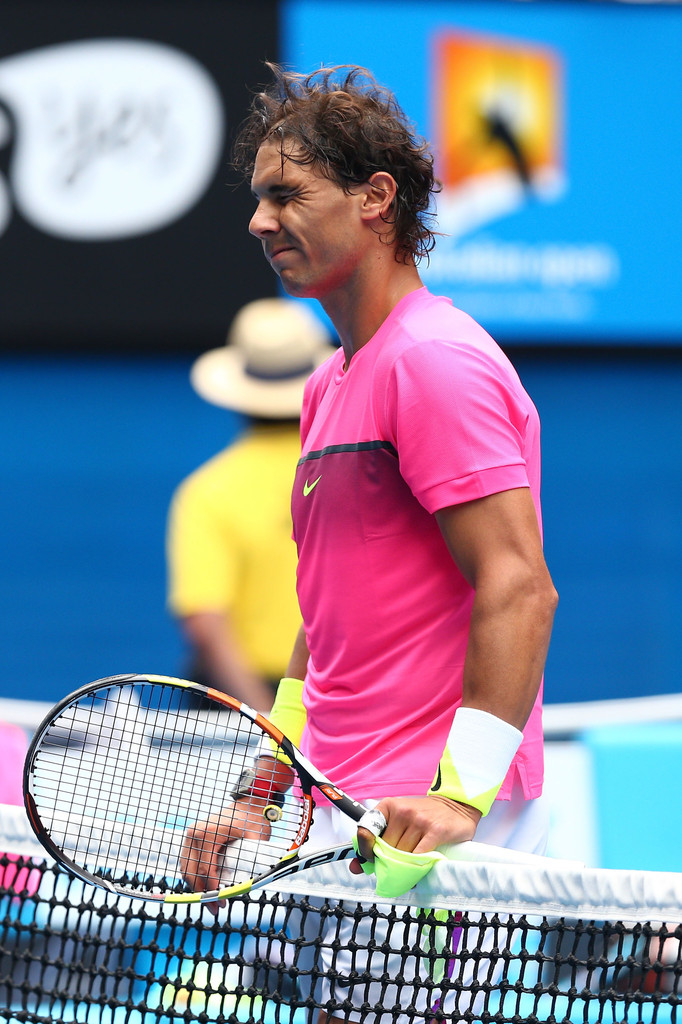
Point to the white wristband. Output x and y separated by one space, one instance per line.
479 751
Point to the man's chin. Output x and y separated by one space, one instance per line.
296 289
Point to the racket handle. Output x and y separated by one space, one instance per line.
374 822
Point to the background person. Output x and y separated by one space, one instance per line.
231 559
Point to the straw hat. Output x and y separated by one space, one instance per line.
272 348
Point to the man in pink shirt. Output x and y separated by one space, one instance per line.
415 681
428 414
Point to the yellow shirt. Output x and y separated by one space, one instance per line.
229 544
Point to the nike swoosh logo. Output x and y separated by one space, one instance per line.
307 488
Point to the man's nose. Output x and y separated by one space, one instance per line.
264 220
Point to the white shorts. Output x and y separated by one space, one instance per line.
352 945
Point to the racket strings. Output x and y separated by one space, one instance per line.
124 771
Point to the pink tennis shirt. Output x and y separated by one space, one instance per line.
430 413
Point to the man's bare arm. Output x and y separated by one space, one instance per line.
495 543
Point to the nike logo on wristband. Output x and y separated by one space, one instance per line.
307 488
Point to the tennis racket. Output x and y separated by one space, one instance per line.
120 772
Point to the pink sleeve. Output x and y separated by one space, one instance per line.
458 424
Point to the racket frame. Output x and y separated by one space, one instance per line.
308 776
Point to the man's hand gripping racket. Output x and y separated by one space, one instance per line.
162 789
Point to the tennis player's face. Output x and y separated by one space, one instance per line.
310 229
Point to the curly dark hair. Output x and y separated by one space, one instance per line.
346 124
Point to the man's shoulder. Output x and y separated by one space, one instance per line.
321 377
433 332
431 317
434 343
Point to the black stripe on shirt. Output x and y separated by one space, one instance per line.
360 446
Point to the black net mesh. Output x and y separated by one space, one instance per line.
71 953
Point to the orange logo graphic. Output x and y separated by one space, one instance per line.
498 127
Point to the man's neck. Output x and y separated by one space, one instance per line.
359 311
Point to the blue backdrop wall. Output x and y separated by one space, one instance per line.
93 447
581 254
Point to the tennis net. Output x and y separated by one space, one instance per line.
477 940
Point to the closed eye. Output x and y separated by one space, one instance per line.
276 195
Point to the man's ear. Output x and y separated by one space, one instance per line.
379 191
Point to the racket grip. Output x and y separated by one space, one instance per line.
374 822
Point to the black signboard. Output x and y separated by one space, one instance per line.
122 226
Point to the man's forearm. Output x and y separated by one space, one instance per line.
298 663
210 635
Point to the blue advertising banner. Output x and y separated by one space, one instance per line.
553 126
